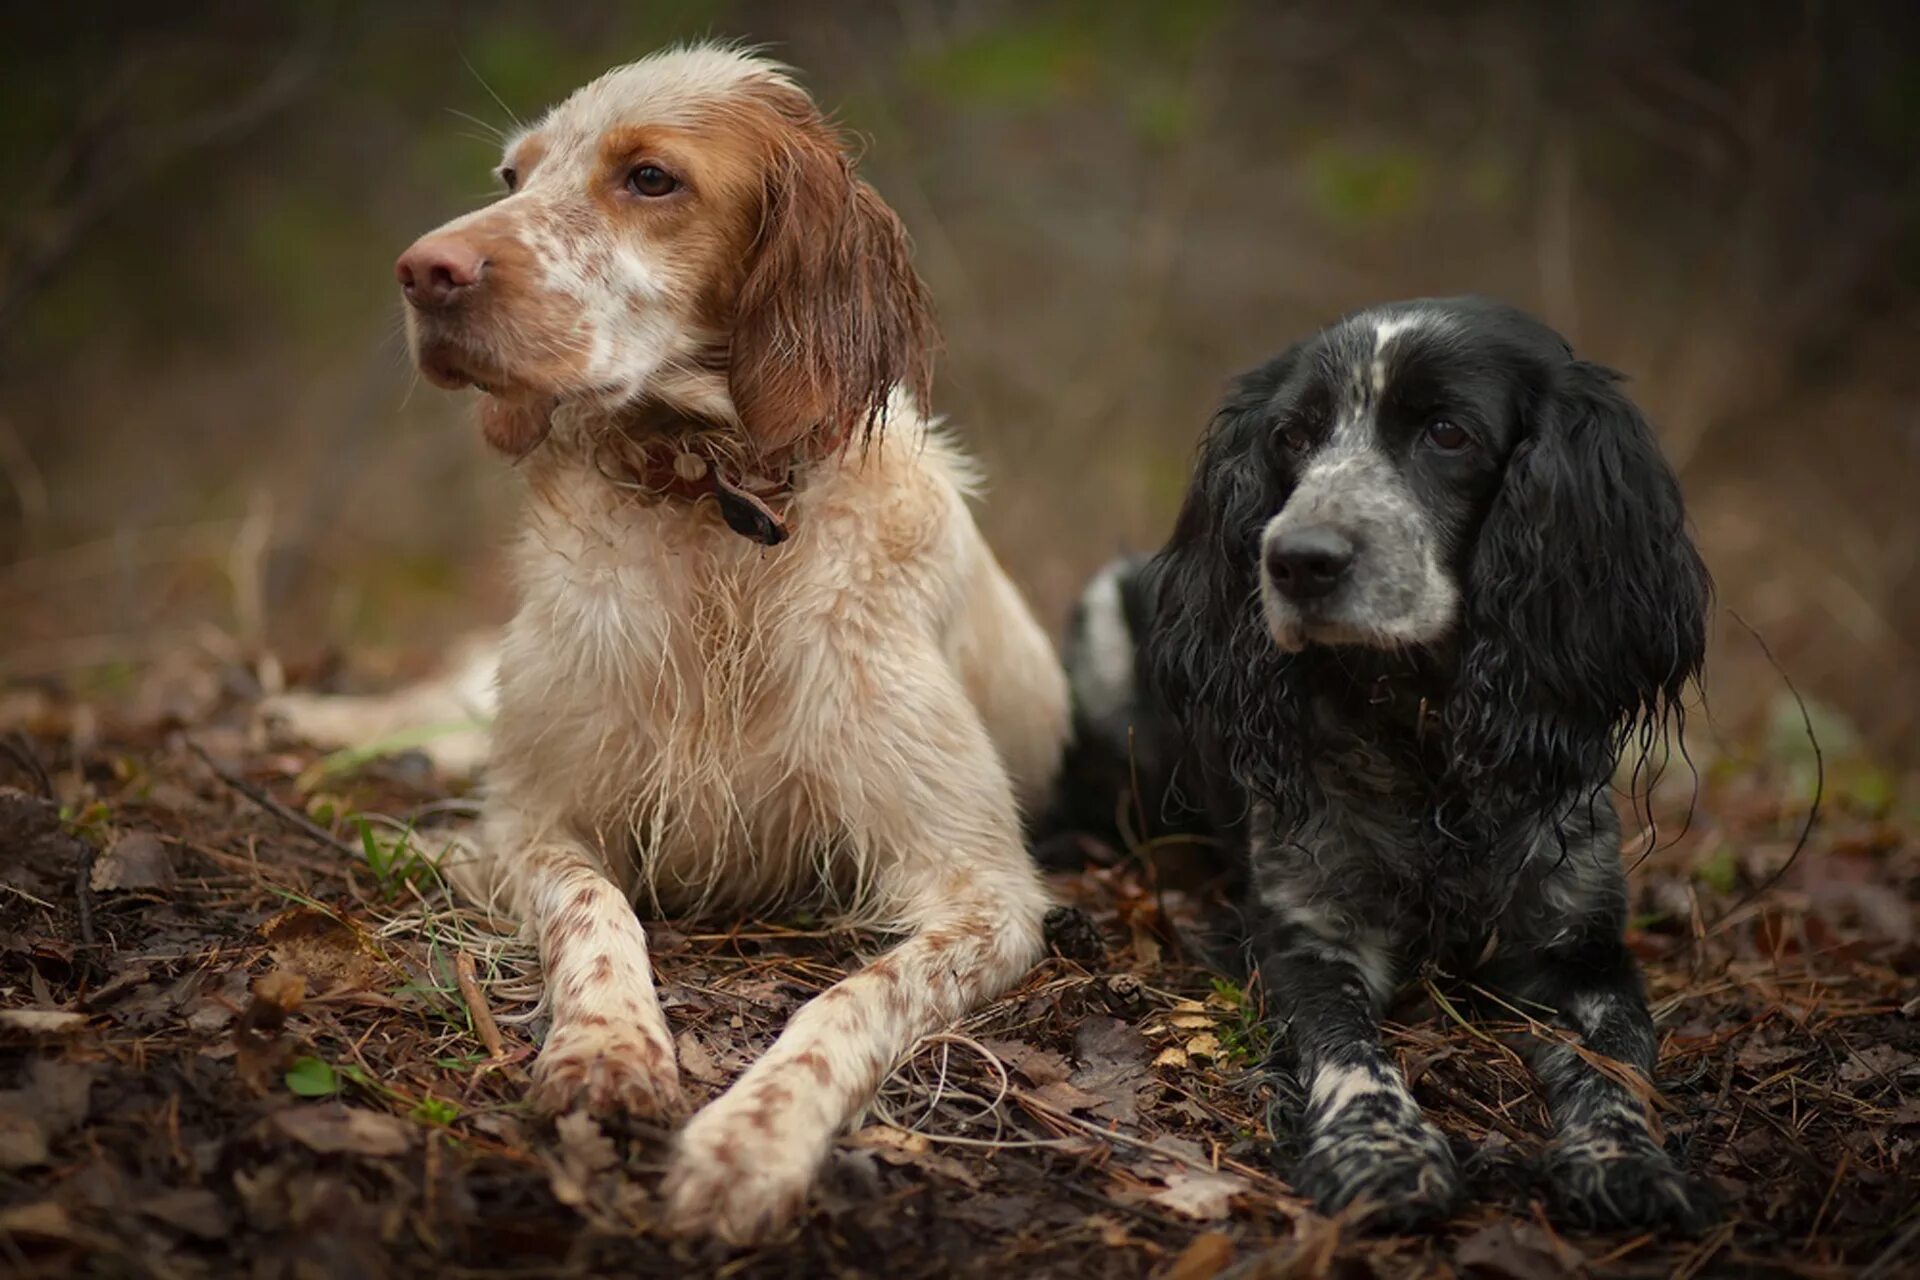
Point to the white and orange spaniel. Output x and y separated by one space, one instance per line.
763 657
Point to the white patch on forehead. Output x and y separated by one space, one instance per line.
665 88
1385 331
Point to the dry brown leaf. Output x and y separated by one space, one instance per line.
332 952
1062 1095
1200 1194
695 1060
35 1022
53 1100
902 1147
335 1127
1205 1256
1036 1065
194 1210
44 1219
583 1152
1517 1251
137 861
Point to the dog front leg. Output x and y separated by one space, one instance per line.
609 1048
1605 1170
1366 1142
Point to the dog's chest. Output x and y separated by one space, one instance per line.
691 696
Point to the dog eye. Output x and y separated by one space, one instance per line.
1295 439
1448 437
651 180
510 178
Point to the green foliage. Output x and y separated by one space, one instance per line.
1138 56
395 863
1243 1035
1368 186
310 1077
1718 871
437 1113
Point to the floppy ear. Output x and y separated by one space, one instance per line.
1585 614
831 316
1208 655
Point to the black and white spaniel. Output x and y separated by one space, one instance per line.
1431 581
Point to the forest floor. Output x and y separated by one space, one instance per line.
234 1044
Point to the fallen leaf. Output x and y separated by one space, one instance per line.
1036 1065
1205 1256
338 1128
1198 1194
41 1021
583 1152
137 861
194 1210
330 951
1516 1251
53 1100
1204 1046
901 1147
1878 1062
1113 1064
695 1060
1173 1057
45 1219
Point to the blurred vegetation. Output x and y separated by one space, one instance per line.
206 416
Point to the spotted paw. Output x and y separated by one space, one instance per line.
1603 1181
607 1069
1395 1173
734 1176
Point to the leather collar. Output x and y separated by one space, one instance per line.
668 455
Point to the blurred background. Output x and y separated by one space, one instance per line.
210 438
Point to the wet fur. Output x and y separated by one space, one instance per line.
1411 787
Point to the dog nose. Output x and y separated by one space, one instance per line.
1306 564
439 271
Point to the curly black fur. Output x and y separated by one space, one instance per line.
1414 761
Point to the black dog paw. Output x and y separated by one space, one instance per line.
1602 1182
1072 935
1398 1175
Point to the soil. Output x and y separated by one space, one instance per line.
235 1040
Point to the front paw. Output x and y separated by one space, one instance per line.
1603 1181
737 1174
607 1068
1398 1172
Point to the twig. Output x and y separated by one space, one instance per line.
287 816
1819 782
83 896
483 1022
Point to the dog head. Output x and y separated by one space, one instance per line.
686 229
1441 477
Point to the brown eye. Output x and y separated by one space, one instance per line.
510 177
652 181
1296 439
1448 437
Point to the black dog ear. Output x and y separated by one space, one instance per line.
1585 614
1207 654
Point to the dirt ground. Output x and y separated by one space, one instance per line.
244 1031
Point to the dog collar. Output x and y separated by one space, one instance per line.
670 457
747 502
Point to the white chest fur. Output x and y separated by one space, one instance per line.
686 699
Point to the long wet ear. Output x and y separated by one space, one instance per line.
1585 615
831 317
1208 655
